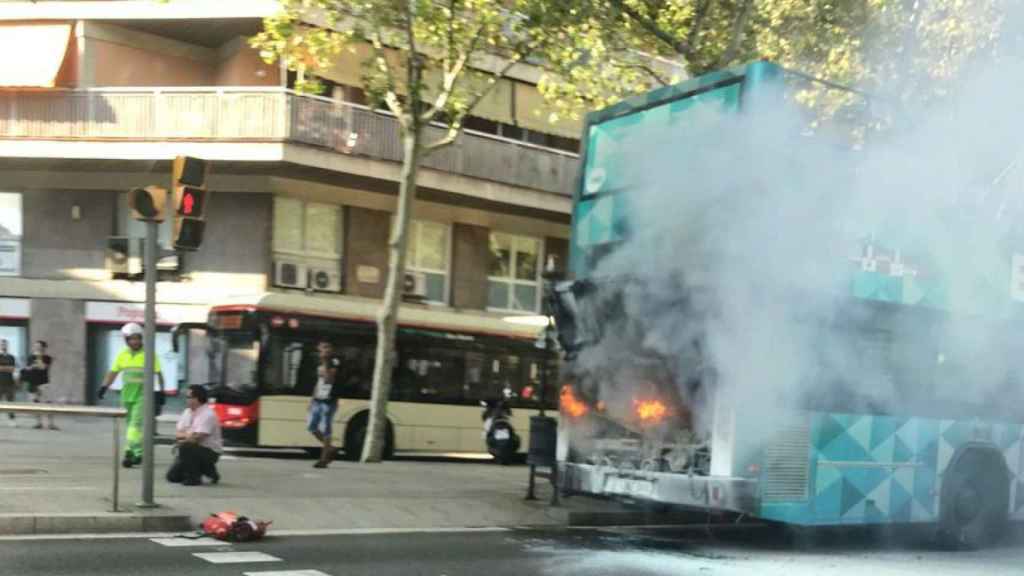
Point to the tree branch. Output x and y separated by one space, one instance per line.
652 26
381 61
413 71
450 76
654 74
455 126
703 7
738 32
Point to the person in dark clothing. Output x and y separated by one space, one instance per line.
8 385
324 402
199 441
36 375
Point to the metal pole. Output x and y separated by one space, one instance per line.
117 453
149 344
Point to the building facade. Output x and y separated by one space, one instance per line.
302 189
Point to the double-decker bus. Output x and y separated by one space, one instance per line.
261 360
943 445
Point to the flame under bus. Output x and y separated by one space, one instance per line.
262 366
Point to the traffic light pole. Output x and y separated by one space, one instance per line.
149 345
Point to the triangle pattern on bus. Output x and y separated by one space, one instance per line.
882 429
901 452
851 496
899 501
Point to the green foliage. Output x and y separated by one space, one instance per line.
904 49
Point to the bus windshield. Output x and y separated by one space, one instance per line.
234 357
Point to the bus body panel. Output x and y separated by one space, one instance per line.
870 469
418 427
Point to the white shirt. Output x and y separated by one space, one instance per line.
324 382
204 421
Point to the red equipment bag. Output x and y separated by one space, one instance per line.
231 527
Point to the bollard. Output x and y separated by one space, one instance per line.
542 453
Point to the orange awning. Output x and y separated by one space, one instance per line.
36 55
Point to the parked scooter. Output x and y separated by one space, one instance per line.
499 434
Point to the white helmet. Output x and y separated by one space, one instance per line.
131 329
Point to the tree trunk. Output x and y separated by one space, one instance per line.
387 319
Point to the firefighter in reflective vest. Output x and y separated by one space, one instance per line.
130 364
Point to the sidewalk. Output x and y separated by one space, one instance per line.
45 473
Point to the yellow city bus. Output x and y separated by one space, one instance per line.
261 357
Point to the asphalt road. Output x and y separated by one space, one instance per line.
611 552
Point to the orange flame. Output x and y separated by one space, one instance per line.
650 411
570 404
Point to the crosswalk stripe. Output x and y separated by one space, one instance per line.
236 557
188 542
287 573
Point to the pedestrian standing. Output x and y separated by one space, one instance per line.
324 402
199 441
8 385
130 364
36 376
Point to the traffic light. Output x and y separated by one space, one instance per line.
188 176
148 203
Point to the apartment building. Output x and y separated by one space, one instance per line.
105 93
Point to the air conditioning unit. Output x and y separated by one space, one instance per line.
169 261
290 274
414 285
325 279
125 255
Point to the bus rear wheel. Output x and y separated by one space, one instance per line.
355 437
975 501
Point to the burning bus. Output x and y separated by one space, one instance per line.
749 330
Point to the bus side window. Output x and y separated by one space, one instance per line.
444 379
473 389
356 370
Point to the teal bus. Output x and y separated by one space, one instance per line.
663 432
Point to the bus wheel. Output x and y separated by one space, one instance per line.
974 509
355 437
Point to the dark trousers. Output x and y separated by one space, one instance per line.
193 462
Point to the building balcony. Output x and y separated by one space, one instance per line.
270 115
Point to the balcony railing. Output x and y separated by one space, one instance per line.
270 115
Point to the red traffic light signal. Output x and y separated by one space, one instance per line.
191 202
188 176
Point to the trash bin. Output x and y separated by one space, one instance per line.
543 440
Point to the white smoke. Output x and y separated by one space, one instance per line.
745 233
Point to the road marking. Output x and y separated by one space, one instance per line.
236 557
287 573
187 542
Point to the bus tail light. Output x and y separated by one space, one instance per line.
235 416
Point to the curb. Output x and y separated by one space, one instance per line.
109 522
